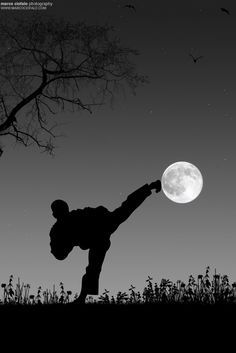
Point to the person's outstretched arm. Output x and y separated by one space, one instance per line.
133 201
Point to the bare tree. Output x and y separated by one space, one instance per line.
49 65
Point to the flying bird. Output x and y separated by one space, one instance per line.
225 10
195 59
131 7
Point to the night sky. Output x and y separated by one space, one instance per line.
186 113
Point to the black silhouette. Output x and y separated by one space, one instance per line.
195 59
91 228
225 10
132 7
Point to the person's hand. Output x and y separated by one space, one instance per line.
156 185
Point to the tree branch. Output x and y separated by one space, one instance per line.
47 64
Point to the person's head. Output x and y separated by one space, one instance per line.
59 209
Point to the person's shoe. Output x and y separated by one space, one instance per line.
156 185
78 301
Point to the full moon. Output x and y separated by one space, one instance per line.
182 182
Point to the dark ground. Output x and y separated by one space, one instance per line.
107 327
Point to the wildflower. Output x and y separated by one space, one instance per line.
216 276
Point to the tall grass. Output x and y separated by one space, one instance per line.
20 294
203 289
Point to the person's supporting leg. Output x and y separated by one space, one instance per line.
90 281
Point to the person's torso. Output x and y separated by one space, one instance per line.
89 226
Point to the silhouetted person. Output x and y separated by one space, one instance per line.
91 228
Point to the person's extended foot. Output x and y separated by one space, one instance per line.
156 185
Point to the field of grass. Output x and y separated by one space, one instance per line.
174 312
200 290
